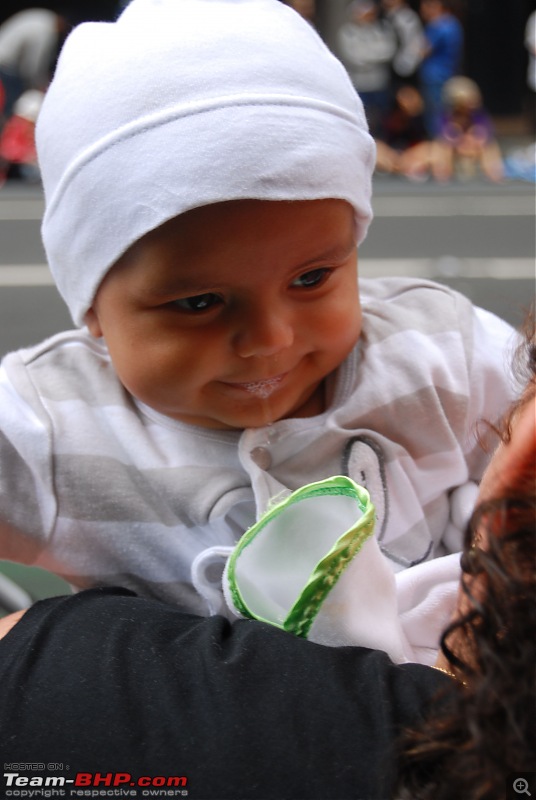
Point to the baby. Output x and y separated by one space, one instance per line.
207 172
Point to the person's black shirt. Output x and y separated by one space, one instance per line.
106 682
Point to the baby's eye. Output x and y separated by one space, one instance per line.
312 278
198 303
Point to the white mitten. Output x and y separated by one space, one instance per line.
312 566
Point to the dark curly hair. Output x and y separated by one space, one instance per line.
484 731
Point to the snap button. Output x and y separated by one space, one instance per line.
261 456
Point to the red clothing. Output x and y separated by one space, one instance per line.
17 142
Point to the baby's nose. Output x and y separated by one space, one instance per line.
266 332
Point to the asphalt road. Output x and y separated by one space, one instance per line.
477 237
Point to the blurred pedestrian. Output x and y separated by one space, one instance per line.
405 149
18 156
530 45
466 142
29 45
367 45
521 163
441 58
410 41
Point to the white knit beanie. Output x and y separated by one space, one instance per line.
183 103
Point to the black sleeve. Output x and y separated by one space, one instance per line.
106 682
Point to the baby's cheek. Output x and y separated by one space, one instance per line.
168 373
345 321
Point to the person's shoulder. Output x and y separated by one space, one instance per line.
38 15
409 15
451 24
29 19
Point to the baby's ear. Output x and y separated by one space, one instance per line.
91 319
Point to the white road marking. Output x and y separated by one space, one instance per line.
432 268
440 205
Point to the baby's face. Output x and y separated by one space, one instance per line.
231 315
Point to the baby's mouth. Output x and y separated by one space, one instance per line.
262 389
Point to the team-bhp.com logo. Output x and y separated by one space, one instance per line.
90 784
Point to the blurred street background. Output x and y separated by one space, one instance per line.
494 55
